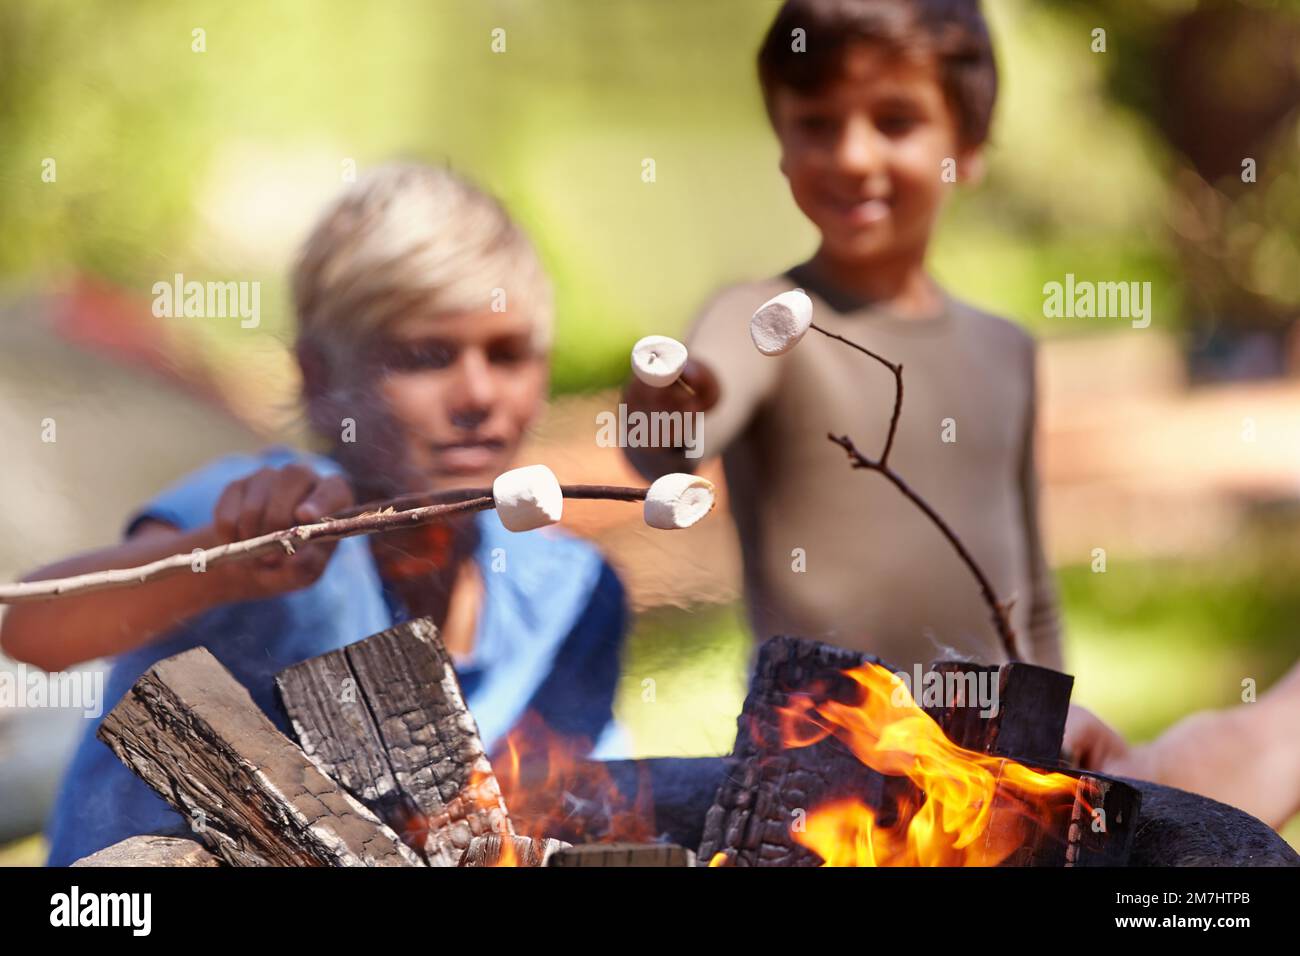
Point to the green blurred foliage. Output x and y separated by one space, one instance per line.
558 125
1148 642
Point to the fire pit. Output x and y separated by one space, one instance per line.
832 764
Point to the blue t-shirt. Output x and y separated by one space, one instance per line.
548 637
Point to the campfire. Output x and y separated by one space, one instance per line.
835 764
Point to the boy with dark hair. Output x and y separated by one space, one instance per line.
878 105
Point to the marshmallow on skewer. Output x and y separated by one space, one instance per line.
781 322
658 360
678 501
528 498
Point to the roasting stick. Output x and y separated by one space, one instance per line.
405 511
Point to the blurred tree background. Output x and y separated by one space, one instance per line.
1123 164
1128 161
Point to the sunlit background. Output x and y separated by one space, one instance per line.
1168 158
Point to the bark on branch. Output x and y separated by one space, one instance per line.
1000 611
376 517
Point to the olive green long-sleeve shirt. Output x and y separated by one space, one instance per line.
839 554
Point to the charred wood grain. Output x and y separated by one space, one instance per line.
152 850
767 788
193 733
385 717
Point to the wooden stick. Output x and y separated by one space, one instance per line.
1000 610
380 516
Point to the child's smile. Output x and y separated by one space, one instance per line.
865 156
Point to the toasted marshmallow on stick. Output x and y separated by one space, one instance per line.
678 501
658 360
781 322
528 498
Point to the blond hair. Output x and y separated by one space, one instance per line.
409 236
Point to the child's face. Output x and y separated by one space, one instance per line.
453 397
865 157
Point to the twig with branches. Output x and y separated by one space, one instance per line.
1001 612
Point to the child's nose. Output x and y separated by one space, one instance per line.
475 387
859 150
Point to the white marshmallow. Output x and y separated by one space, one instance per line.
678 501
528 498
781 322
658 360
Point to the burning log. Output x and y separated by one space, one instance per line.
193 733
624 855
495 849
386 719
151 850
813 777
1033 703
768 791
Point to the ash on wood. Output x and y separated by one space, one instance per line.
193 733
624 855
490 850
151 850
385 717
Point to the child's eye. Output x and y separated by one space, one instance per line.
896 124
815 125
417 356
510 353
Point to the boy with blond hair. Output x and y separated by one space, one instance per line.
424 324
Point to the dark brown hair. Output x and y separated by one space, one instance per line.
952 31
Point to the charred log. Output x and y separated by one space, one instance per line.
386 719
151 850
193 733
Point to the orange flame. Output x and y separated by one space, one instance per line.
508 855
551 791
966 800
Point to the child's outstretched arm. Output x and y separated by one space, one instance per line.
60 633
729 376
700 394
